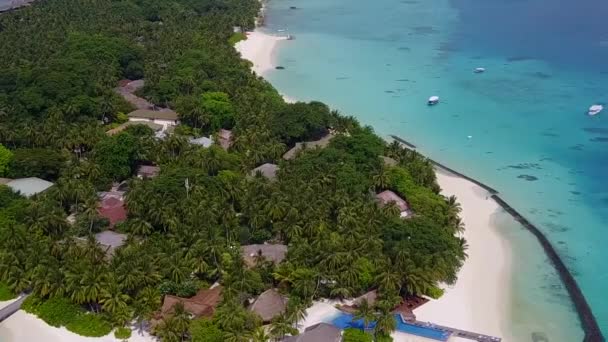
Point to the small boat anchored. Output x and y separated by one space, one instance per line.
595 109
479 70
433 100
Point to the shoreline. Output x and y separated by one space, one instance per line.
480 300
23 326
261 51
461 306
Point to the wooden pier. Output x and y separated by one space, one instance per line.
13 307
457 332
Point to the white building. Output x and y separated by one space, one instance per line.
165 117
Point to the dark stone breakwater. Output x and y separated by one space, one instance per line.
586 317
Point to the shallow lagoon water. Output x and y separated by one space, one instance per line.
529 135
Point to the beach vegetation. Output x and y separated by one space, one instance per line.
237 37
356 335
122 333
435 292
205 330
60 311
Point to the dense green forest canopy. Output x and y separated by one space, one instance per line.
184 227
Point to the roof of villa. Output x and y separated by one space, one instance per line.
29 186
268 170
387 196
164 114
321 332
148 171
388 161
113 208
123 126
370 296
275 253
269 304
110 240
323 142
225 138
202 141
203 304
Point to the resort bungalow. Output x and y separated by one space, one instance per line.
387 197
371 297
274 253
203 304
29 186
267 170
155 127
202 141
110 240
147 171
388 161
126 88
112 207
321 143
322 332
164 117
269 304
224 137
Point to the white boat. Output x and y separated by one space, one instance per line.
595 109
433 100
479 70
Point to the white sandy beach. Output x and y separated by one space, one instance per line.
259 48
22 326
480 299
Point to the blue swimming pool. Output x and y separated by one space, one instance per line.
344 321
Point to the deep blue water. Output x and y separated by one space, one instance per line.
546 61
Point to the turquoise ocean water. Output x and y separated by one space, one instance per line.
546 61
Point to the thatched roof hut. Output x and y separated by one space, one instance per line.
203 304
321 143
321 332
267 170
269 304
387 197
275 253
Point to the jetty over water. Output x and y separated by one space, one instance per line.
458 332
13 307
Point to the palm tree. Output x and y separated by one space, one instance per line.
139 227
112 298
389 280
385 323
364 312
381 178
296 311
260 335
281 326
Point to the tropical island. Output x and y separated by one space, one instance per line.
152 182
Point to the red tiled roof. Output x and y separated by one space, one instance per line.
113 209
